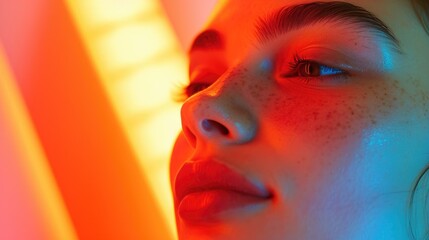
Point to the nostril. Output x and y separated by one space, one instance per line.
211 125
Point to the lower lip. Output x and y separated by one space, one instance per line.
214 205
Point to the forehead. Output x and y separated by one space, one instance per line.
240 16
240 10
236 20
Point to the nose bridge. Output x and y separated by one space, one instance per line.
219 114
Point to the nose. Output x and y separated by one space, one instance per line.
217 118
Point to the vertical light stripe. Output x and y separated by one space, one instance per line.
140 62
32 163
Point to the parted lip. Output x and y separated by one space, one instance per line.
207 175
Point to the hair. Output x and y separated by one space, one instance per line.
418 206
419 197
421 7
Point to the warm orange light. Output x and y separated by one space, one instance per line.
35 206
140 63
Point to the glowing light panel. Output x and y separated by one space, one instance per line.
140 61
31 206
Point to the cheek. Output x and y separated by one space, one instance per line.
182 151
326 119
318 134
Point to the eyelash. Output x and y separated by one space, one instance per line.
187 90
293 68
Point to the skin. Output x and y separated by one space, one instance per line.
339 156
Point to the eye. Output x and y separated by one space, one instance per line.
195 87
308 69
314 73
314 69
199 80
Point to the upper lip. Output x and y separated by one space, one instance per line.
205 175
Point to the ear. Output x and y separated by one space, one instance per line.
419 206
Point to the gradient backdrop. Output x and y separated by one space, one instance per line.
86 117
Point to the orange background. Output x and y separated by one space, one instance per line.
67 169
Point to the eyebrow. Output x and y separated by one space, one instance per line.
294 17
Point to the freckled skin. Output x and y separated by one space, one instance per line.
340 160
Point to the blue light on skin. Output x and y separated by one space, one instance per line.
266 65
374 138
386 54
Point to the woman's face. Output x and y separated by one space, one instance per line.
308 123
